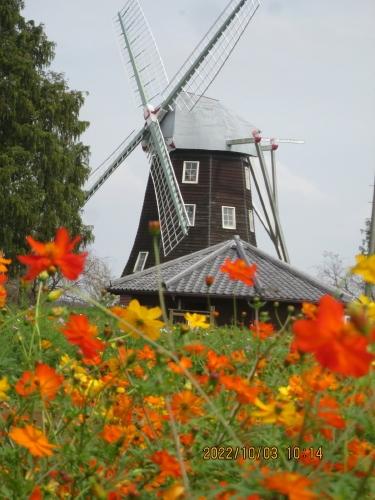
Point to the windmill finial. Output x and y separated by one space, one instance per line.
256 134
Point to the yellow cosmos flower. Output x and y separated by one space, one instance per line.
196 320
284 393
369 306
4 388
284 413
94 387
365 267
140 318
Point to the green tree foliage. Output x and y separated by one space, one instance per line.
364 247
43 164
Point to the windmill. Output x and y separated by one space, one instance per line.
174 161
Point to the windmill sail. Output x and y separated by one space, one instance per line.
140 49
125 152
207 59
172 213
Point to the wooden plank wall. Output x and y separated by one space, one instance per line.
221 183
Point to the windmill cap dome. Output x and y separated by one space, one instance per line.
208 126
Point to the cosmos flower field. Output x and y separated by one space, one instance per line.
115 403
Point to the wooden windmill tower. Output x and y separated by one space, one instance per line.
200 154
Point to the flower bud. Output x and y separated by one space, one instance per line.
209 280
43 276
154 227
51 270
54 295
184 328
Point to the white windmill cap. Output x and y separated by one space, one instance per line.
208 126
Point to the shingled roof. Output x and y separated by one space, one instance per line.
275 280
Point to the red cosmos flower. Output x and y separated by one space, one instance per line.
80 332
239 270
36 494
336 345
53 255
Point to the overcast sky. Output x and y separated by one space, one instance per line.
303 69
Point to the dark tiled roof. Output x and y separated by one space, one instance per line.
275 280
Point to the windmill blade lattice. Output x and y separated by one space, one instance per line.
206 60
125 152
140 49
172 213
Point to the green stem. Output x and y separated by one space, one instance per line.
160 284
36 324
161 294
234 310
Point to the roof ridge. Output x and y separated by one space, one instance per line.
297 272
244 257
199 263
138 274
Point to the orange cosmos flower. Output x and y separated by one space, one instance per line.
336 345
53 255
168 464
309 310
245 393
317 379
183 363
33 439
3 292
262 330
216 362
186 405
239 270
112 433
328 411
359 451
290 483
4 263
80 332
195 348
26 384
45 379
238 356
146 353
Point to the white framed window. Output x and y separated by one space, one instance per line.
229 217
140 262
247 177
190 172
251 221
190 210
